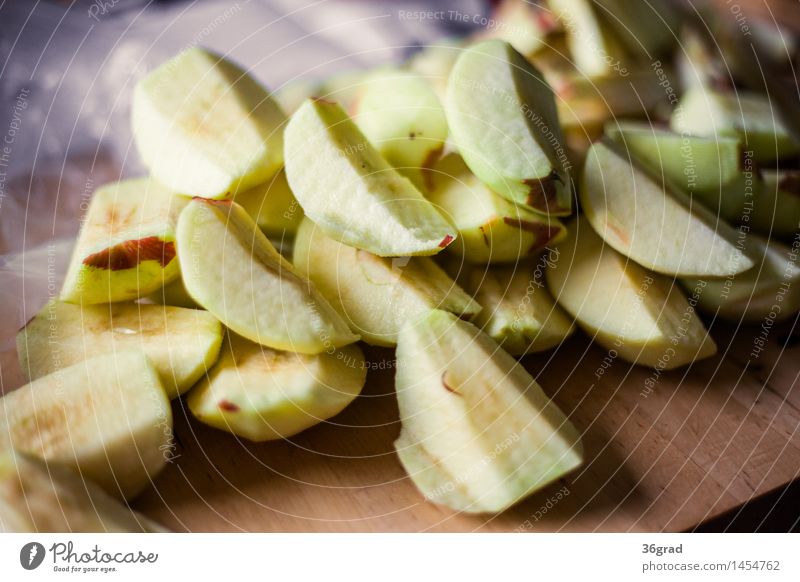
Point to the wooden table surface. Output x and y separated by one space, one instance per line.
703 441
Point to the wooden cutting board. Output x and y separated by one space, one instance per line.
702 441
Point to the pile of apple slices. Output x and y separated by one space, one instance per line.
425 206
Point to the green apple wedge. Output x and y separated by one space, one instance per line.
640 315
263 394
37 497
770 290
108 418
205 127
748 116
491 229
376 295
232 270
347 188
522 24
694 163
502 116
273 206
594 47
644 28
652 222
478 433
343 88
182 344
776 203
126 246
400 114
518 311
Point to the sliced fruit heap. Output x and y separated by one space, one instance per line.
376 295
182 344
491 229
478 434
639 314
346 187
469 146
126 247
263 394
503 118
40 497
205 127
107 418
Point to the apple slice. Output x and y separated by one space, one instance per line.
478 433
126 247
291 95
376 295
750 117
263 394
770 290
233 271
518 311
652 223
490 228
205 127
638 315
343 88
351 192
108 418
503 118
520 23
401 115
39 498
273 206
694 163
182 344
595 49
647 29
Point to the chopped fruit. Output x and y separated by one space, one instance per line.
752 118
643 317
351 192
37 497
182 344
653 224
646 29
595 49
126 247
205 127
233 271
776 203
263 394
478 433
174 294
770 290
490 228
273 206
108 418
518 311
342 88
434 63
402 117
503 118
291 95
692 163
376 295
697 66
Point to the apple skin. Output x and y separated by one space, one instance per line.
232 270
107 418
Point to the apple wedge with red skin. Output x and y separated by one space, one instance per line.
126 247
231 269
